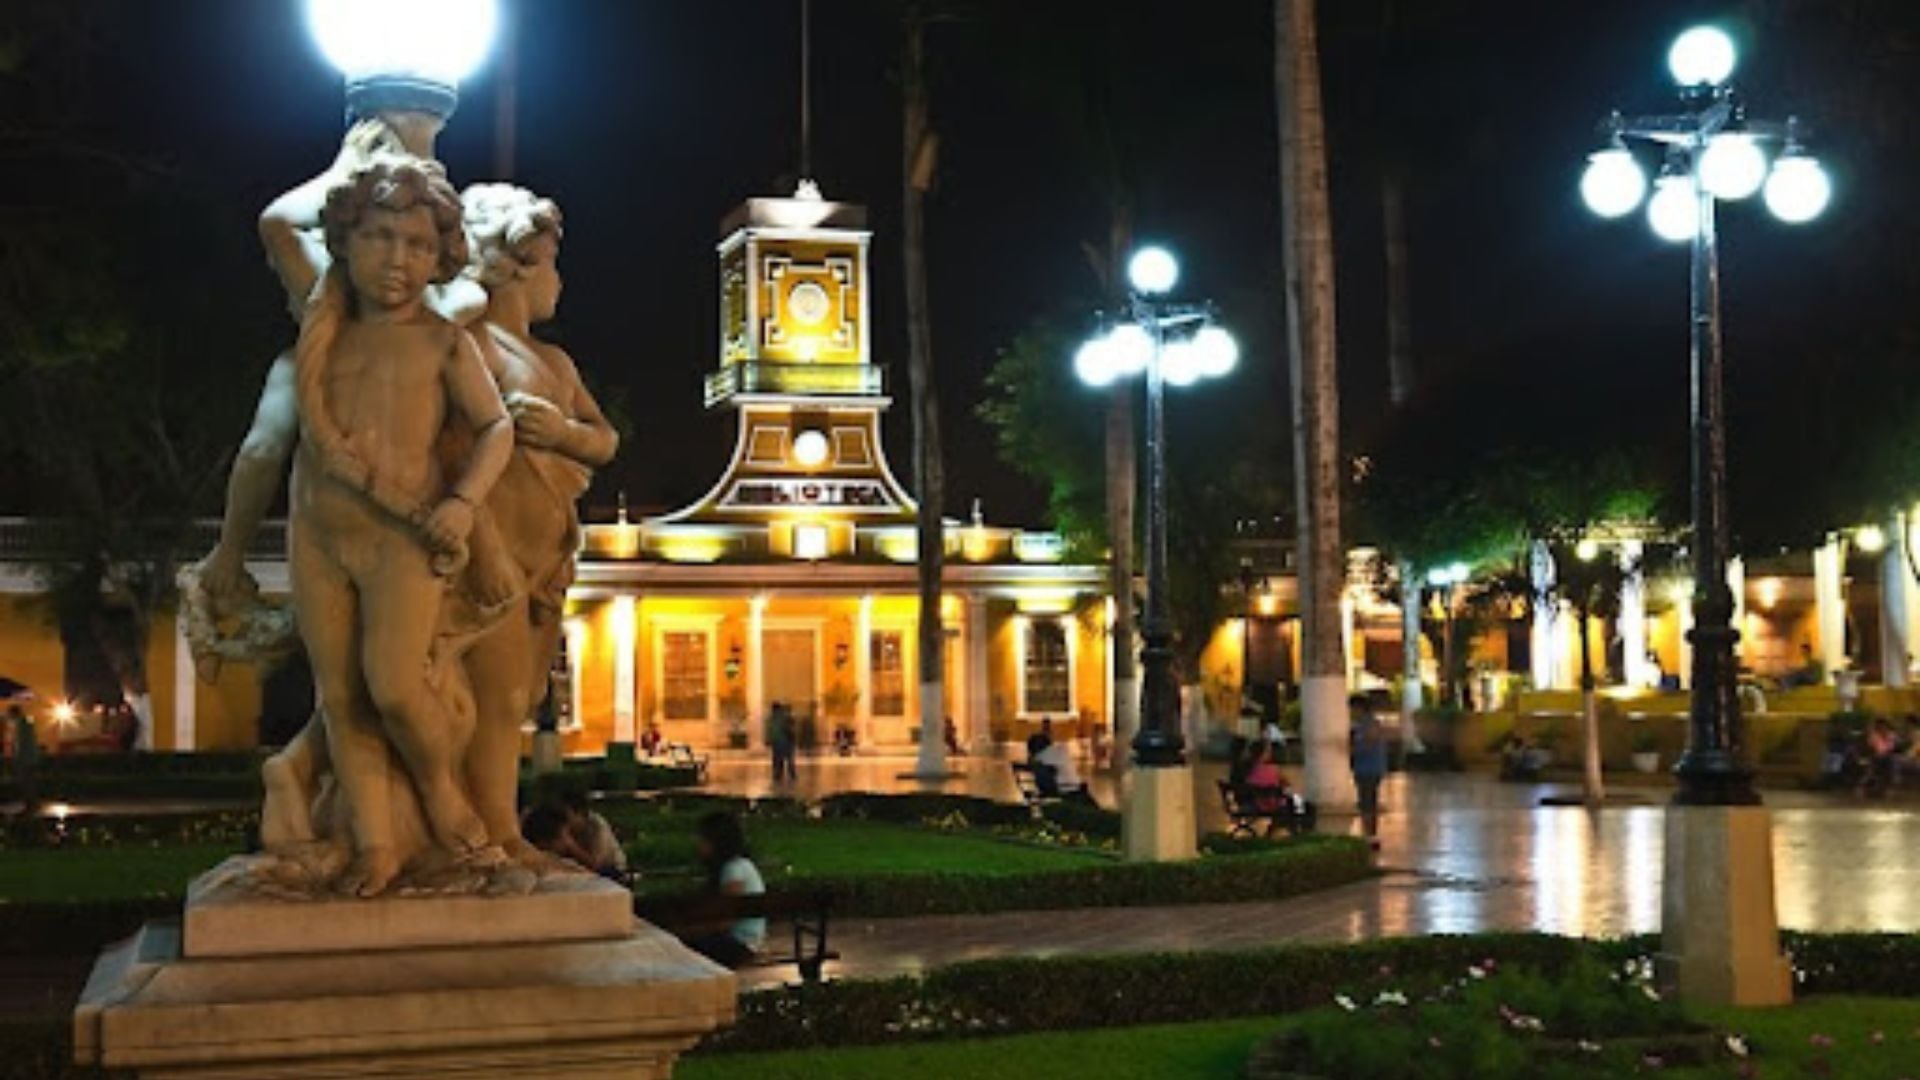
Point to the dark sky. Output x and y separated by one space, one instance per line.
648 120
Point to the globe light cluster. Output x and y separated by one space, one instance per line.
439 41
1442 577
1731 167
1128 348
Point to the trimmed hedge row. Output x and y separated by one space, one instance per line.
1011 996
914 809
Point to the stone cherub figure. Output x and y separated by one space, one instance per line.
376 522
560 435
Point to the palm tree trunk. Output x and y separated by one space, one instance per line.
1592 788
1305 216
919 147
1393 218
1122 487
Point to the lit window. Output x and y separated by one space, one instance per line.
1046 687
886 654
683 675
810 541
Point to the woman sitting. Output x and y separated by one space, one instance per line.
722 849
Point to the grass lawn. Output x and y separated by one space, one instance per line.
51 875
1783 1045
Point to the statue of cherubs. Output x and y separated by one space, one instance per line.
379 376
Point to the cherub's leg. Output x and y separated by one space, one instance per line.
496 667
257 469
401 599
291 778
329 626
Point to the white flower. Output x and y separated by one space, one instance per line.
1477 971
1652 994
1589 1047
1344 1002
1736 1046
1390 997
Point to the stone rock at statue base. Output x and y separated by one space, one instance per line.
1720 937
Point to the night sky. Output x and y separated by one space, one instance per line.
648 121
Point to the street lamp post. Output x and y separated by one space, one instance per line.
1170 343
1446 579
1719 926
1713 152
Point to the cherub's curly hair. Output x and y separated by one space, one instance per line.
500 219
397 182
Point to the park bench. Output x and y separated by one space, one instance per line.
1242 806
681 756
807 912
1029 785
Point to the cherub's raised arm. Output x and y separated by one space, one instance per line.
290 225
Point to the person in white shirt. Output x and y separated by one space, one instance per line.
723 852
1067 781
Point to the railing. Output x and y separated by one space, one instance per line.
36 539
757 377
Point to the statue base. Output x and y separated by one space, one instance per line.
401 987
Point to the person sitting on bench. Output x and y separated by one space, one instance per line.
722 849
1057 776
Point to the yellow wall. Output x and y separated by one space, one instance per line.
30 646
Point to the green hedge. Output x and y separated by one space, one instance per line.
1078 992
1091 821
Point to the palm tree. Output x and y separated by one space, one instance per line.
1308 222
920 150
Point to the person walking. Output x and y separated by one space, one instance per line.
1368 758
780 736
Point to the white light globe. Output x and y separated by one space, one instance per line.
1129 349
1458 573
1703 56
1674 211
1732 167
1587 550
439 40
1094 364
1183 362
1437 577
1153 270
1871 539
1219 352
1798 189
1614 183
810 449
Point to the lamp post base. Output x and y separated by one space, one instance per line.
1157 822
1720 937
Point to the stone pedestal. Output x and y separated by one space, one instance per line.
546 752
1157 823
560 983
1720 938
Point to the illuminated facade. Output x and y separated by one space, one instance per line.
793 580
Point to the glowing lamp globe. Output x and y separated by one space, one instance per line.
1182 363
1129 349
1732 167
403 55
1094 364
1218 351
1614 183
810 449
1871 539
1674 211
1798 189
1153 271
1703 56
1587 550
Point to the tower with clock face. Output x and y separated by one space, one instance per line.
809 477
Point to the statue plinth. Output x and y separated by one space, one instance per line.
545 984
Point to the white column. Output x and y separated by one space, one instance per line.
1540 566
979 705
186 689
1896 648
1737 582
626 684
1346 637
1830 606
1411 690
1683 612
1633 615
756 680
863 672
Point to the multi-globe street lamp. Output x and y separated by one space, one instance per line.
1447 579
1712 151
1171 344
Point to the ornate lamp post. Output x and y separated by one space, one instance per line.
1448 579
1177 344
1719 925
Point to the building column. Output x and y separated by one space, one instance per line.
1830 605
1346 637
186 689
863 672
979 707
1896 648
756 676
1633 615
1737 581
1542 659
626 683
1683 613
